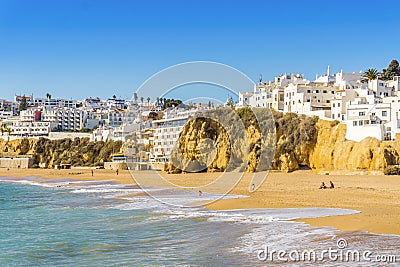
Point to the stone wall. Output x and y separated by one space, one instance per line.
14 163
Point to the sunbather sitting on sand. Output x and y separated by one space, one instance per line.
323 186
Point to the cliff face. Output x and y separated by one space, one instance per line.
47 153
214 144
17 147
332 153
300 142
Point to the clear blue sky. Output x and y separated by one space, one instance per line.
100 48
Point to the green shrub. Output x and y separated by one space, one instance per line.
392 170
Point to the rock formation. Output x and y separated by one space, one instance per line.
301 141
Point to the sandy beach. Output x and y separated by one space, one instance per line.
376 197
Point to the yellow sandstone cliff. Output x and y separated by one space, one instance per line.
325 151
206 146
333 153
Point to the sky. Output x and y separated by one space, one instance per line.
87 48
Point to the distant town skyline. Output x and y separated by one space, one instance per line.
77 49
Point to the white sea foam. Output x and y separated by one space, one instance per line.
105 190
26 182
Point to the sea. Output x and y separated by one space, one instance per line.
63 222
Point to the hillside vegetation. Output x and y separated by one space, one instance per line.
48 153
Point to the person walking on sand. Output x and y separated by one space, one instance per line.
200 193
332 185
92 172
117 171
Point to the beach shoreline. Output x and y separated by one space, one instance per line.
376 197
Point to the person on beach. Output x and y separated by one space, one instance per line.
92 172
323 186
253 187
200 193
117 171
332 185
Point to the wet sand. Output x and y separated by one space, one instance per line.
376 197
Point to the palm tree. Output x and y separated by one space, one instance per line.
135 97
158 101
24 104
142 99
370 74
148 101
48 96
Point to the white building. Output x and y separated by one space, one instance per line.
167 130
119 133
103 133
119 117
270 94
326 79
28 98
116 103
30 129
338 103
55 102
352 80
309 99
4 114
62 118
92 103
364 120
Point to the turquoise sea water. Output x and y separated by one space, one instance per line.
43 224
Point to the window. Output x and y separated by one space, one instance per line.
325 91
354 123
317 91
360 123
384 113
308 91
338 104
333 105
333 116
362 113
